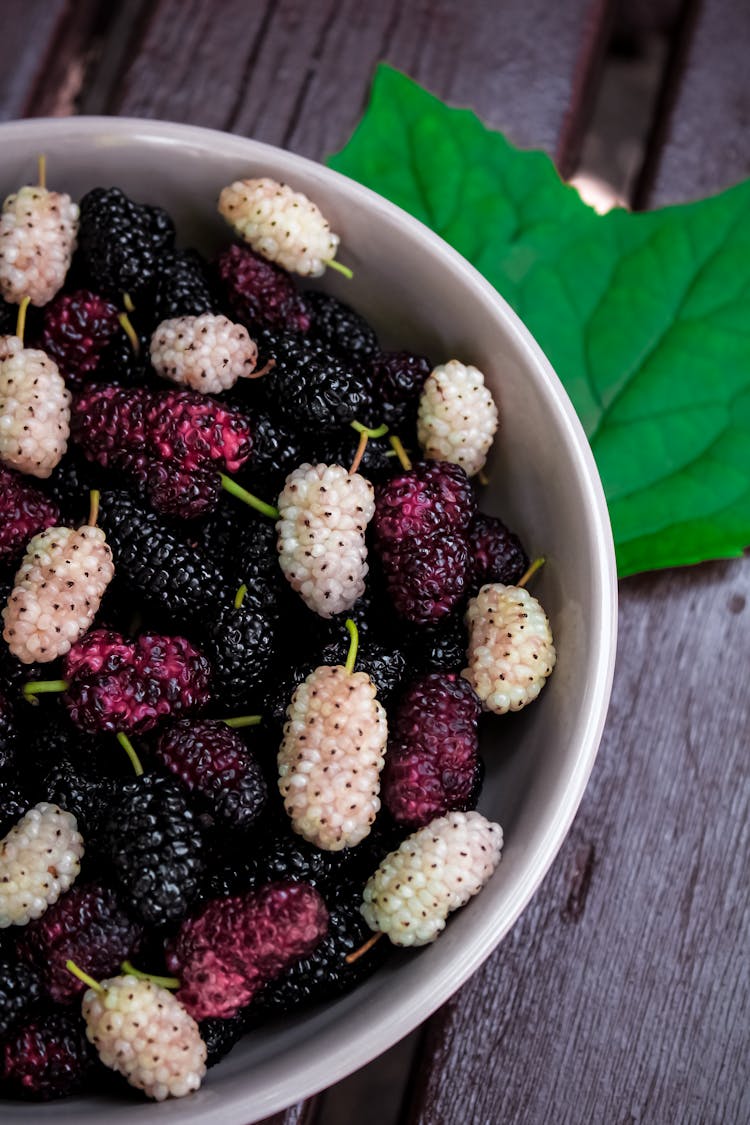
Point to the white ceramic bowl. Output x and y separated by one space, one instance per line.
422 295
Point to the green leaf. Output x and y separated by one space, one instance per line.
645 317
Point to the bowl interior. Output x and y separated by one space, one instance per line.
421 295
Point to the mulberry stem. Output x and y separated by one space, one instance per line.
127 301
73 968
129 749
243 721
94 498
41 165
364 435
355 956
38 687
239 597
334 265
21 320
162 982
127 326
246 497
268 366
535 566
400 452
351 656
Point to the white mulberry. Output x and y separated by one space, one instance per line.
510 653
144 1033
206 353
34 409
323 514
435 870
39 860
457 416
281 224
57 592
331 756
37 238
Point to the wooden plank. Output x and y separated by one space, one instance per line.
622 994
76 41
297 74
304 1113
701 137
64 57
28 29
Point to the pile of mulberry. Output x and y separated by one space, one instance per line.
331 756
281 224
511 653
224 954
432 766
435 871
323 514
122 685
154 846
421 523
34 409
141 1031
40 858
121 242
259 292
24 511
57 592
213 763
37 239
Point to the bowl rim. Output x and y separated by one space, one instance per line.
311 1077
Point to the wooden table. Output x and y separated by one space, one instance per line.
622 993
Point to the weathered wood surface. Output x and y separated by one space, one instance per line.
306 1113
296 74
622 993
701 138
29 29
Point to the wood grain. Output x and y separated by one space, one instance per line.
297 74
77 39
28 32
622 994
305 1113
701 137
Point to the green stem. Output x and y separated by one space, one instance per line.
129 749
40 687
127 301
21 319
370 433
334 265
243 721
364 437
94 498
239 597
351 657
400 452
127 327
163 982
535 566
246 497
73 968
